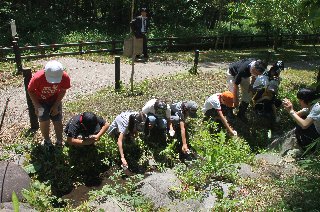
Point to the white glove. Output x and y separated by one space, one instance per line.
171 133
235 133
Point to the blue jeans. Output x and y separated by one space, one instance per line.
158 122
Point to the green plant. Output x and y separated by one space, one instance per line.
15 202
40 197
122 191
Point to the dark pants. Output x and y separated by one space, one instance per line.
145 50
306 136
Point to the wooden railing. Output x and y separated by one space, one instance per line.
155 44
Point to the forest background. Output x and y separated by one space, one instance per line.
58 21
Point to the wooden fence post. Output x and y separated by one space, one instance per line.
32 115
117 72
80 47
196 61
113 46
17 55
42 50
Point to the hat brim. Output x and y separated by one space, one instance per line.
53 80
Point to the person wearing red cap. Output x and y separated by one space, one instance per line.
46 89
212 108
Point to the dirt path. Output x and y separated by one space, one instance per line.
87 77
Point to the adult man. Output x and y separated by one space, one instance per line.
85 129
180 111
139 26
239 73
46 89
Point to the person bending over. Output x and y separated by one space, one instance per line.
85 129
126 126
180 111
212 109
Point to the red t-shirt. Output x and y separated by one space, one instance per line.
47 92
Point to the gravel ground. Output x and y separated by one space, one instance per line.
87 77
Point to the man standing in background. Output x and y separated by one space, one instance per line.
139 26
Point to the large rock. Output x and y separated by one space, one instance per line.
272 159
284 143
111 204
157 188
245 171
8 207
12 178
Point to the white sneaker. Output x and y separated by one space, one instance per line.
46 142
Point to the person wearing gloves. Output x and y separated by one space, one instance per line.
85 129
126 126
180 111
46 89
212 109
308 118
239 73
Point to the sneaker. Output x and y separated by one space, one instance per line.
46 142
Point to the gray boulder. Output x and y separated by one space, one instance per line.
245 171
272 159
8 207
111 204
284 143
12 178
157 188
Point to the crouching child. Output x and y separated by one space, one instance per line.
212 109
85 129
180 111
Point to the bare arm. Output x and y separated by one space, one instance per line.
101 132
183 137
80 142
35 101
120 139
54 108
225 123
304 123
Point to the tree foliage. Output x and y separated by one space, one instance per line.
50 21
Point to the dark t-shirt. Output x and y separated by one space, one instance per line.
74 129
241 69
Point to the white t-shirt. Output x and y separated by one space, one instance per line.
315 115
122 121
261 81
212 102
149 108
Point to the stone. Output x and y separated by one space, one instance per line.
157 188
245 171
110 204
12 178
8 207
272 159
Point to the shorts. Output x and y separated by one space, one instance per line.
46 116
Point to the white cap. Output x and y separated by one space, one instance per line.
53 71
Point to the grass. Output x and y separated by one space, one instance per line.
72 165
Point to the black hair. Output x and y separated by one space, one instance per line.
131 123
308 95
89 119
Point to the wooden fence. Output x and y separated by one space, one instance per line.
155 44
